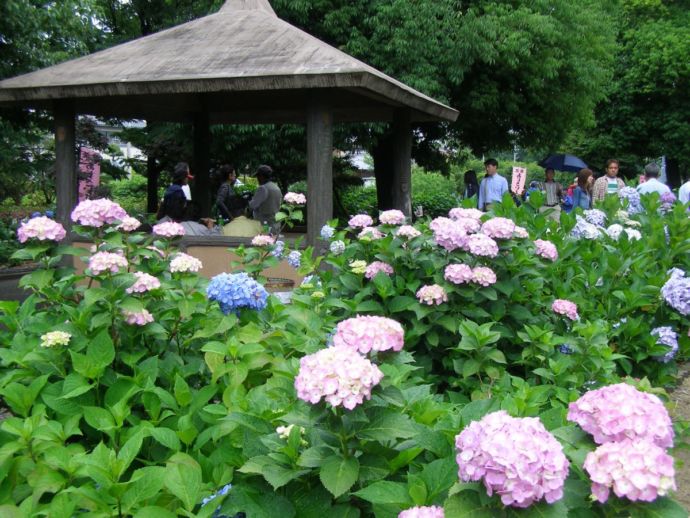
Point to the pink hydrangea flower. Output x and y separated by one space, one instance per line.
499 228
41 228
482 245
129 224
620 411
408 231
565 307
360 221
392 217
634 469
96 213
295 198
458 273
107 261
520 232
448 234
433 511
371 233
483 276
168 229
144 283
185 263
376 267
516 458
546 249
458 213
369 333
469 225
263 240
339 375
137 318
432 295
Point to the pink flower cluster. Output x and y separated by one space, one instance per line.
433 511
129 224
499 228
185 263
408 231
482 245
263 240
484 276
565 307
337 374
371 233
41 228
376 267
520 232
168 229
546 249
462 273
369 333
515 457
106 261
620 411
360 221
459 213
634 469
138 318
96 213
392 217
448 233
432 295
144 283
296 198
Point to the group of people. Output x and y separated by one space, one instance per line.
583 193
232 207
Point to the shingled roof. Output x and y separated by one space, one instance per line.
270 67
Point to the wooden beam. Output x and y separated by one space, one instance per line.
319 167
201 186
402 162
65 160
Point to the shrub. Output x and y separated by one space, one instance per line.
131 193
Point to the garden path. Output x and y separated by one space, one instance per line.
681 397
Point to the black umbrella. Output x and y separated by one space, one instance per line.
563 162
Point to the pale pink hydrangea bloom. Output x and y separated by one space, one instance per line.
360 221
469 225
620 411
546 249
376 267
448 234
458 273
296 198
168 229
41 228
520 232
433 511
458 213
129 224
408 231
634 469
144 283
370 233
107 261
369 333
96 213
392 217
54 338
138 318
565 307
516 458
339 375
185 263
499 228
263 240
483 276
482 245
432 295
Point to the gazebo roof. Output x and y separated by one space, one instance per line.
242 64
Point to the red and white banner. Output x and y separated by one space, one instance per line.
517 185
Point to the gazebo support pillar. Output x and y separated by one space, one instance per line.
202 163
319 168
402 162
65 161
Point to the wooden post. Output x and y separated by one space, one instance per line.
319 168
65 160
402 162
201 186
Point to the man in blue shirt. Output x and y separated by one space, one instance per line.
493 186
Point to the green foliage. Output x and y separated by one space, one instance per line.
130 193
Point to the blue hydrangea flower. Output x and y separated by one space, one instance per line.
50 214
36 215
327 232
668 337
595 217
294 258
278 249
236 290
633 197
676 291
584 229
221 492
337 247
565 349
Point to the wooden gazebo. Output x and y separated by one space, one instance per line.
240 65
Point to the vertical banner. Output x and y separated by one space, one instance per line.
517 185
89 172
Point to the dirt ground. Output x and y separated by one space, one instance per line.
681 412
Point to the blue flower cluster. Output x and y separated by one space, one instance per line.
676 291
48 214
595 217
221 492
584 229
278 249
565 349
327 232
294 259
633 197
236 290
337 247
668 337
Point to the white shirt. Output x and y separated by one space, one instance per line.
653 185
684 192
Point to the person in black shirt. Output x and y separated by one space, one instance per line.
175 203
226 199
471 184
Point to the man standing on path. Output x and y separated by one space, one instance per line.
609 183
651 172
553 192
267 198
493 186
